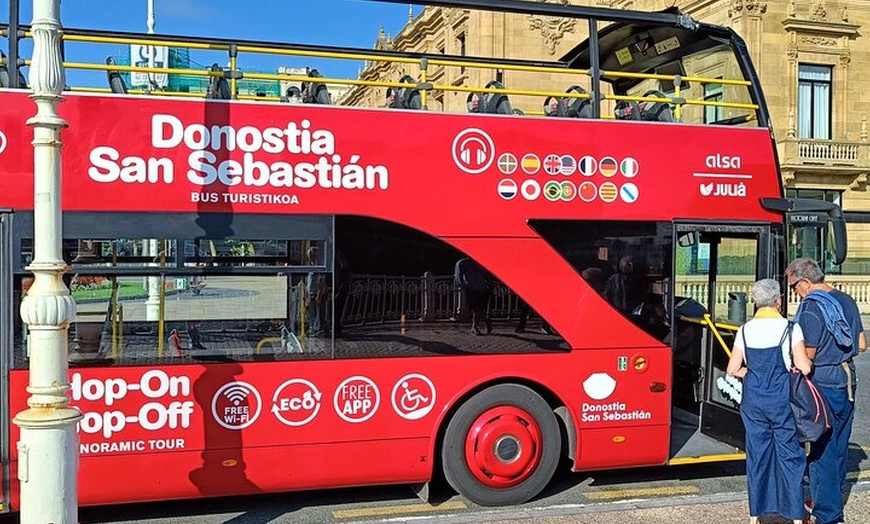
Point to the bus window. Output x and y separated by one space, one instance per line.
405 297
625 261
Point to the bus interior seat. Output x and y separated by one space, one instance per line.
116 81
627 110
405 97
569 107
4 74
218 87
492 103
292 95
315 92
656 111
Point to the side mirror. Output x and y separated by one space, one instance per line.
687 239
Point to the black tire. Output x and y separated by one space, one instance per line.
513 414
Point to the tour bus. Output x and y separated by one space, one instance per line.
297 292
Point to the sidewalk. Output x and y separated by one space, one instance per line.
726 508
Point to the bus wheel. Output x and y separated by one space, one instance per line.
502 446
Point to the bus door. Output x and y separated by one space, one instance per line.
6 312
714 268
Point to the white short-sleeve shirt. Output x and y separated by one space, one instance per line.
766 332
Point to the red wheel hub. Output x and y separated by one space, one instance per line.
503 446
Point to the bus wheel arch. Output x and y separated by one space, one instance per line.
502 445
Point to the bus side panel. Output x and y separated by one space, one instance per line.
621 447
193 474
272 426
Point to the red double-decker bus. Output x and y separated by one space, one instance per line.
282 296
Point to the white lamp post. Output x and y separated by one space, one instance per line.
48 450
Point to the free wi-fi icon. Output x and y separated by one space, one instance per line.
236 394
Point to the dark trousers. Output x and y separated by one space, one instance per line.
827 460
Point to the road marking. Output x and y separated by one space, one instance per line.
641 492
396 510
858 475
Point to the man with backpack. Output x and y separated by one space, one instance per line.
833 335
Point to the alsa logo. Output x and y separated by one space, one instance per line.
726 190
719 161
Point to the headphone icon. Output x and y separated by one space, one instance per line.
473 146
473 150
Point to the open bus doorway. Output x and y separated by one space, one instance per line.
715 266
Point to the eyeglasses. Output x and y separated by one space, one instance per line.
794 284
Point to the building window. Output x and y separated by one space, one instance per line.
713 93
814 242
460 42
814 101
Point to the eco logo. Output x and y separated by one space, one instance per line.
296 402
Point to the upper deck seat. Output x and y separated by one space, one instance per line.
4 74
492 103
315 92
292 95
405 97
656 111
569 107
627 110
116 81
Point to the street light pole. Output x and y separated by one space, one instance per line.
48 450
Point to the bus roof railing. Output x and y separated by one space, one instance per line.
424 60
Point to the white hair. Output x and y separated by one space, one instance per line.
765 292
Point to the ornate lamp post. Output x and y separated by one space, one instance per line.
48 450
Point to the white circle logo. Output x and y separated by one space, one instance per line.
356 399
2 141
296 402
236 405
413 396
473 151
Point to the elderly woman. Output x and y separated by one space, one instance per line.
761 356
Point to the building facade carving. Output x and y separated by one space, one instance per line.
552 28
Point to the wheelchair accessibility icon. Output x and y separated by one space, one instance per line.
413 396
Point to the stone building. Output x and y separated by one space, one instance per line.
812 57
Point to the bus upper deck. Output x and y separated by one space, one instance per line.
666 65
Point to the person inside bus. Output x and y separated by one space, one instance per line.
475 284
775 460
315 288
627 288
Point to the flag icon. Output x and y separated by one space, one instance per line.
629 167
587 191
553 164
568 165
608 192
569 191
507 163
507 189
552 191
531 163
587 165
608 166
530 190
628 193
